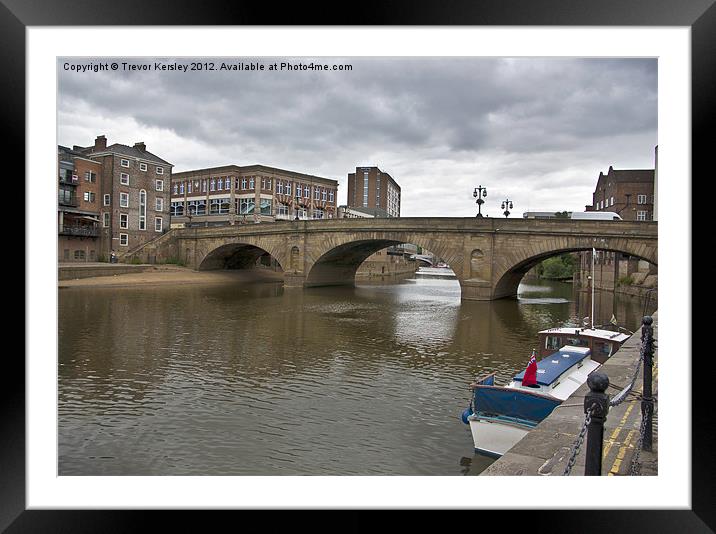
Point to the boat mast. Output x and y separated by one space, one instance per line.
594 252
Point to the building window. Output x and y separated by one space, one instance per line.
330 196
188 186
106 200
204 186
90 177
176 189
307 192
318 214
197 207
89 196
213 184
246 206
299 190
265 206
316 194
159 185
105 220
79 254
181 188
124 200
123 220
288 188
123 178
123 240
158 222
124 162
612 201
279 187
641 215
641 199
159 204
219 206
142 166
282 209
324 195
177 209
252 184
160 170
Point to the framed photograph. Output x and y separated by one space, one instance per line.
207 122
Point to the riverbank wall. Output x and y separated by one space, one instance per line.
76 271
546 450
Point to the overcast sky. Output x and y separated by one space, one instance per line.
536 131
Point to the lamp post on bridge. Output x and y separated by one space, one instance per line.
507 206
479 193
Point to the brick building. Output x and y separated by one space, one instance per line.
254 193
631 193
369 187
131 194
78 234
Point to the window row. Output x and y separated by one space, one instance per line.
123 162
124 179
124 222
248 184
220 206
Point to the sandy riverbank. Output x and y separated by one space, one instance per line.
173 275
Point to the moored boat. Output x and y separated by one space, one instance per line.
603 343
500 416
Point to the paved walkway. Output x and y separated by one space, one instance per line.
546 449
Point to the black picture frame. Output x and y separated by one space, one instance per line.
698 15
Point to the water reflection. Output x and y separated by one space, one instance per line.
261 380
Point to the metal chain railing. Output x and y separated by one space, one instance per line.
635 468
578 442
600 404
622 395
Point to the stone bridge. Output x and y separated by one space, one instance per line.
489 256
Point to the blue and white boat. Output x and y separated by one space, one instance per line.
500 416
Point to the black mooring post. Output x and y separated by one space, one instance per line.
598 402
647 403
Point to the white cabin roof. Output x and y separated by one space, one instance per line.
588 332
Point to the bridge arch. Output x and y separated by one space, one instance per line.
512 267
233 256
336 262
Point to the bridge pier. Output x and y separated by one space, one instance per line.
476 290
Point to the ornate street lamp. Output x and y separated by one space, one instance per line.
189 215
479 193
507 206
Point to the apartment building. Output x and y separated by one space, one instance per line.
78 234
131 194
233 194
369 187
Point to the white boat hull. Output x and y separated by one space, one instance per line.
495 437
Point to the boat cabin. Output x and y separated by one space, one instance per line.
601 343
561 373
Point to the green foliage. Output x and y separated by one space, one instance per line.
557 267
625 280
561 214
174 261
135 261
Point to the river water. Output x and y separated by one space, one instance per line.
254 379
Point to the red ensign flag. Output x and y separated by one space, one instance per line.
530 377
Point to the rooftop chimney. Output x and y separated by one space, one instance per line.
140 146
100 143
